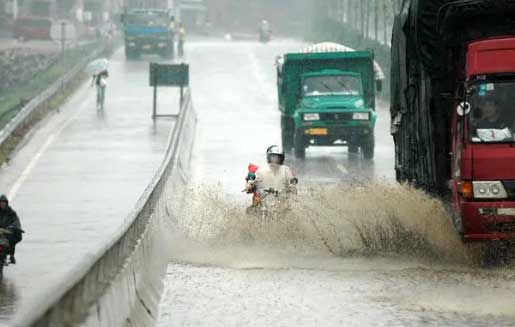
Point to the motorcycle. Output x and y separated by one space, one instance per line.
265 36
4 249
270 202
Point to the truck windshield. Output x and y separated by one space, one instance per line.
493 112
332 85
148 19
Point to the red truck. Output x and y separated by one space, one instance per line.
32 28
453 112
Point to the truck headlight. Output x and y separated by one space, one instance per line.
311 117
489 190
361 116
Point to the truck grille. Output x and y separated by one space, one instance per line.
508 227
336 117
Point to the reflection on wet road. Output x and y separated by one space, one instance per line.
319 266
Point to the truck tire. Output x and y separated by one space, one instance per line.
300 146
130 54
368 147
495 254
353 147
287 134
168 52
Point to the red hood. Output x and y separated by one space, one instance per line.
493 162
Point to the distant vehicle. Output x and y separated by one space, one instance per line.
327 98
265 32
32 28
148 31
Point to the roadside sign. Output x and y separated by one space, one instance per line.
63 31
177 75
169 75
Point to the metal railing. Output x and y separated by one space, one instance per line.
23 117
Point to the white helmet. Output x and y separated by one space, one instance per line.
275 150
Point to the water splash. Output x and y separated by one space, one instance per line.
345 220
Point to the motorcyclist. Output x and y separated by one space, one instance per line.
275 175
9 220
264 31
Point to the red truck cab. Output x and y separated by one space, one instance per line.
483 144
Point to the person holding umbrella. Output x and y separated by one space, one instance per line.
100 81
98 69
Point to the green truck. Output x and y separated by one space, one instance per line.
327 98
148 31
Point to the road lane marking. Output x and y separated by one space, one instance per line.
27 171
33 162
342 169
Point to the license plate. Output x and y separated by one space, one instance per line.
146 46
316 131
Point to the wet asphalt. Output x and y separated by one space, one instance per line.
282 281
76 178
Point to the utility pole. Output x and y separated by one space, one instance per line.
385 16
63 38
15 9
376 20
367 22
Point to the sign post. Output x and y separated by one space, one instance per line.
64 33
175 75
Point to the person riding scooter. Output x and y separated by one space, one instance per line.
265 32
9 220
275 175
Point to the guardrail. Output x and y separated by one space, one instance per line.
27 115
121 284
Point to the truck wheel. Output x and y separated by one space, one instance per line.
168 53
495 254
353 147
368 147
300 146
287 134
129 54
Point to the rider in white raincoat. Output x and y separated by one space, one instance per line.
275 175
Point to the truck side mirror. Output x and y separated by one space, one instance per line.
463 109
379 85
122 18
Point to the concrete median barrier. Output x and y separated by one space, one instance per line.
121 285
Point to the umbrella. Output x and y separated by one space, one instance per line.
97 66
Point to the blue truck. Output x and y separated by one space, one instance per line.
148 31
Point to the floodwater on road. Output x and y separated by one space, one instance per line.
354 248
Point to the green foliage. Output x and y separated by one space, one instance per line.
12 100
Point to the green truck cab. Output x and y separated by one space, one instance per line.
328 99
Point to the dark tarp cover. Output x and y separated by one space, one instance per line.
434 24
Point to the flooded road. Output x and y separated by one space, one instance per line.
355 250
